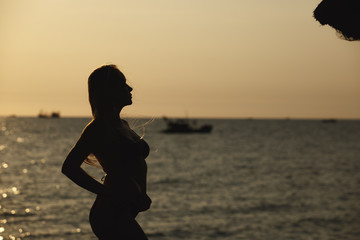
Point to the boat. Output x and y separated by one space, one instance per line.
185 126
330 120
51 115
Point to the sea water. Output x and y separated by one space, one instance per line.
248 179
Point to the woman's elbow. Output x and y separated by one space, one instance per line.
67 168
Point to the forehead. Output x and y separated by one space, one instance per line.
119 77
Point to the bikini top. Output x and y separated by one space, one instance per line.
141 147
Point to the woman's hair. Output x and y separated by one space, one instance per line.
102 84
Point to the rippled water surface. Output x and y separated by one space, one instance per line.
248 179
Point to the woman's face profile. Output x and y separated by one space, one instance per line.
122 93
126 95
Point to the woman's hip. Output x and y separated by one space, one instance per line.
107 216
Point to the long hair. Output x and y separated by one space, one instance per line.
102 84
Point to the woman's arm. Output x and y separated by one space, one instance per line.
72 164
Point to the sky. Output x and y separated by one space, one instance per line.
196 58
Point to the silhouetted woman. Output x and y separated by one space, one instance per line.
120 152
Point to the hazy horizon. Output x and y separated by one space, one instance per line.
187 117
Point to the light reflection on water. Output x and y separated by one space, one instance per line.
246 180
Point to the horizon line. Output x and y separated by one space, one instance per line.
199 117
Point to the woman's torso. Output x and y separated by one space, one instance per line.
121 153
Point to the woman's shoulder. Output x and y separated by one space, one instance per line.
92 128
93 133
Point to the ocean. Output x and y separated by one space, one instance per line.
249 179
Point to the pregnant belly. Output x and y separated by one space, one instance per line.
127 190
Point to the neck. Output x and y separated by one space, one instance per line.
111 117
112 114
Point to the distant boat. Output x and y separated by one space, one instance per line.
185 126
51 115
329 120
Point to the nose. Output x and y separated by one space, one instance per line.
130 88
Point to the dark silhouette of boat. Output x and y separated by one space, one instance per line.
185 126
331 120
51 115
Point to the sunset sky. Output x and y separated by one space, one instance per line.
202 58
